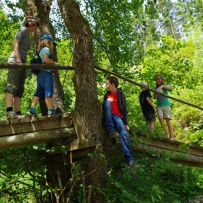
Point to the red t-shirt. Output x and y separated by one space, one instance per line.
113 98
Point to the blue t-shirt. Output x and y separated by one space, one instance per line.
42 52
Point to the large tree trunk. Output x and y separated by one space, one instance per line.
58 173
87 107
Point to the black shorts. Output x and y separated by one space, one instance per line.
149 116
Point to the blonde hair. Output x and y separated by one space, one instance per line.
45 43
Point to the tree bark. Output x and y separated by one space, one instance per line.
87 107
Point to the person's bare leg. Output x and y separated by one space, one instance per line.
150 125
49 102
161 120
35 101
9 99
170 127
16 103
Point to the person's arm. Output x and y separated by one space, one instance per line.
47 60
151 103
155 95
166 87
19 36
16 51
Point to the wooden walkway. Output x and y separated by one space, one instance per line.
177 151
26 130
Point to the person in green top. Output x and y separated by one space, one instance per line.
164 105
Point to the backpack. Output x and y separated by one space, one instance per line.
36 60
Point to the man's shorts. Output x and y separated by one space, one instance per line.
164 112
149 117
16 80
44 84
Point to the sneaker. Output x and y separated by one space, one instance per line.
11 115
51 114
19 113
130 164
31 114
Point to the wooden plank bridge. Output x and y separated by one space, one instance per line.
26 130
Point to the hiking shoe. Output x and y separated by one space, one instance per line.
11 115
31 114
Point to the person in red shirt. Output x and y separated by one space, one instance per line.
115 116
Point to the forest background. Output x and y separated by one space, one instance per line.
136 39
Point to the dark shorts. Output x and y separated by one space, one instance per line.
15 80
44 84
149 116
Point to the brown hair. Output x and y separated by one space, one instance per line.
161 77
113 79
30 21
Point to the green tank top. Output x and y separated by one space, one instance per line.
163 101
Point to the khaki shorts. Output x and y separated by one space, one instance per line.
164 112
16 80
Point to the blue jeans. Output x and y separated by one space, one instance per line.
115 123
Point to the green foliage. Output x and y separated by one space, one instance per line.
153 181
114 32
3 76
65 56
189 122
22 174
8 29
173 59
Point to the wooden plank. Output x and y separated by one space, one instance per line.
181 157
154 151
25 125
80 145
36 137
171 145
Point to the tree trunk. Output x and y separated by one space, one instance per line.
87 107
58 173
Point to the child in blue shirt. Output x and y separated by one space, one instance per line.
44 77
